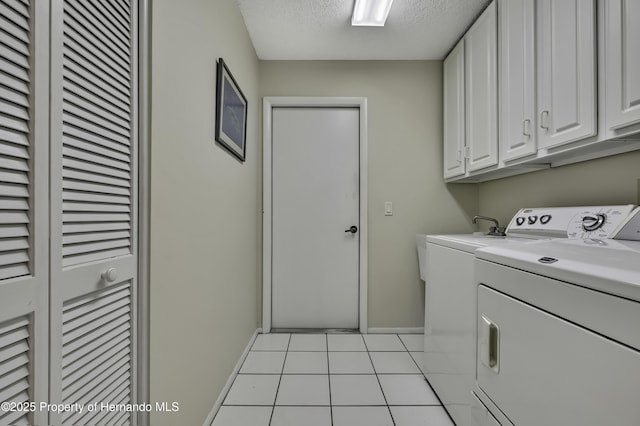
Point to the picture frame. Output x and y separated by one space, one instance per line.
231 113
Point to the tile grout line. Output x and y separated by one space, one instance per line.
326 338
275 398
424 375
378 378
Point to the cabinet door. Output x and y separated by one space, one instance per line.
481 91
453 71
517 79
566 71
622 63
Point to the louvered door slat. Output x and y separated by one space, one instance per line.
94 61
96 207
114 305
115 373
99 90
120 389
12 231
96 32
12 29
8 137
13 42
78 375
19 76
14 366
119 21
95 176
97 198
93 158
103 236
84 43
88 94
84 122
13 123
94 227
16 13
86 345
116 25
13 57
74 60
90 187
120 314
95 143
122 8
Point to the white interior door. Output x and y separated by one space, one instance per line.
93 208
315 196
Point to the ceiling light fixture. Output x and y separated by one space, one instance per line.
370 13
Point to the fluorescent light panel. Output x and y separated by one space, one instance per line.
370 13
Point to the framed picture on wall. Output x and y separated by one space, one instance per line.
231 113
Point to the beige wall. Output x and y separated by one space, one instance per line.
405 167
611 180
204 208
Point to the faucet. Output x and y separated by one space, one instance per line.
496 231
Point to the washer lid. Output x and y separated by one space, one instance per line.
606 265
471 242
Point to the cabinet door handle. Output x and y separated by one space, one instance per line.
544 115
489 344
526 127
459 153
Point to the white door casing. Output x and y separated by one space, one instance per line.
93 189
270 212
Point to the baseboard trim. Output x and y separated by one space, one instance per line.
223 393
396 330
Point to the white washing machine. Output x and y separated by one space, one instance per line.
447 266
558 340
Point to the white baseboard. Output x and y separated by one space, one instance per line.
396 330
232 377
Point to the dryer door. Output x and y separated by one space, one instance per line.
542 370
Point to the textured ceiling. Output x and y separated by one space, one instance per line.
321 29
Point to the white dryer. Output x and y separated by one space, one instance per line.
558 340
451 291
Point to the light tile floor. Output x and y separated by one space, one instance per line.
332 380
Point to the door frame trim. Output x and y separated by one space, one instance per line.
268 103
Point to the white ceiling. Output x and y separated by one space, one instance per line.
321 29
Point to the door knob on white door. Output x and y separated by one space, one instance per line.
110 275
353 229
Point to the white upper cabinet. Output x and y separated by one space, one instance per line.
622 64
454 141
471 100
481 91
517 83
567 95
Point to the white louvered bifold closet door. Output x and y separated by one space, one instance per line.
23 209
94 208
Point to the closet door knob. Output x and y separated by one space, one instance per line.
110 275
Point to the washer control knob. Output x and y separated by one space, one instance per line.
520 220
532 219
545 219
593 223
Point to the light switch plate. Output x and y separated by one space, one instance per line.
388 208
